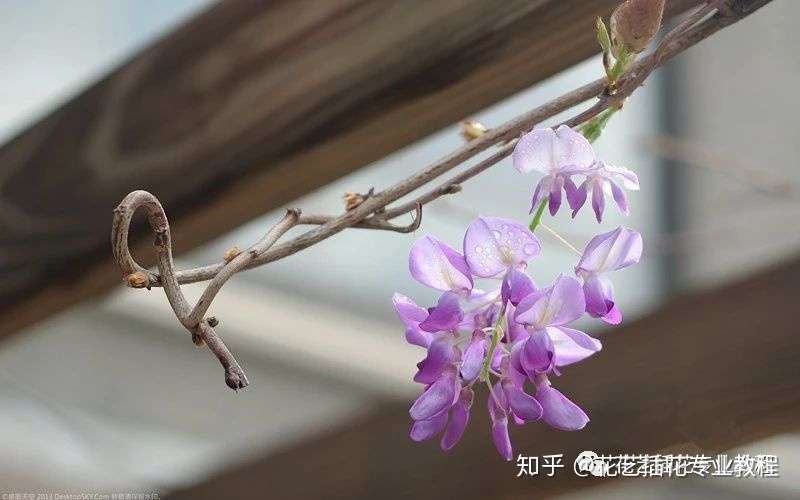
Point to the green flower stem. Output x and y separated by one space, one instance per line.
537 217
497 333
593 129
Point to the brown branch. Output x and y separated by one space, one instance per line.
238 263
235 377
372 212
378 221
509 131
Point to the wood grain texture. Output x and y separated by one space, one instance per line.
249 106
703 374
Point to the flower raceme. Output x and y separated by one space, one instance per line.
514 337
562 154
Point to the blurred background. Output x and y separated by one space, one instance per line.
109 396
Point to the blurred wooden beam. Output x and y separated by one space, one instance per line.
251 105
704 374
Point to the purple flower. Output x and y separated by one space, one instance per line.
493 245
474 354
555 153
605 252
558 411
509 401
499 422
509 337
443 406
516 286
442 356
438 266
550 343
412 315
601 180
446 316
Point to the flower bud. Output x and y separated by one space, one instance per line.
137 280
231 254
352 200
472 129
602 35
635 22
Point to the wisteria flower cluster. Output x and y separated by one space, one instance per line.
516 336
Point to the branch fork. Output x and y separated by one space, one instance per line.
192 318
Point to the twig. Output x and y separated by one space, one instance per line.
237 264
379 221
235 377
373 212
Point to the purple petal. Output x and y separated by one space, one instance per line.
445 316
554 202
516 286
599 295
622 175
497 403
523 405
415 336
411 315
598 200
438 266
619 197
576 196
493 245
441 354
534 151
472 360
572 150
537 353
459 418
426 429
571 345
559 412
541 192
611 251
408 311
563 303
515 372
501 439
438 397
613 316
516 331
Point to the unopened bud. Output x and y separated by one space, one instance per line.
602 35
635 22
472 129
231 254
138 280
352 200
